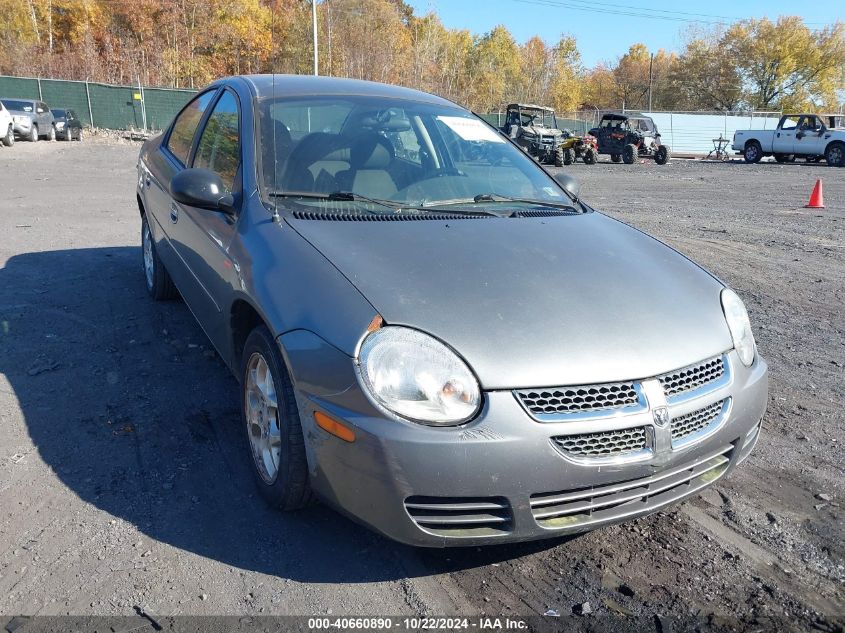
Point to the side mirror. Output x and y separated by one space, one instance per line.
202 188
569 183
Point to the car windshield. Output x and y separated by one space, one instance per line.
58 113
20 106
407 153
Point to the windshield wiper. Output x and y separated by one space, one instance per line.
337 196
495 197
349 196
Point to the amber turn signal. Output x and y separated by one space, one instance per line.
330 425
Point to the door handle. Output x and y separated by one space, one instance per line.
174 213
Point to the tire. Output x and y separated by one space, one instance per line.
616 158
589 156
834 154
9 139
271 422
752 153
629 154
33 134
79 135
661 156
157 280
51 135
559 157
568 156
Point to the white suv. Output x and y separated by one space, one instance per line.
7 133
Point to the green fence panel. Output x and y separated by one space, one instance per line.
66 95
163 104
114 107
102 105
17 87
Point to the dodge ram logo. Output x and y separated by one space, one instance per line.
661 416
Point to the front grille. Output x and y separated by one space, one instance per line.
692 377
606 444
575 510
461 516
579 399
690 423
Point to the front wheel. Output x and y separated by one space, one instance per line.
33 134
51 135
79 135
9 139
589 156
616 157
159 284
271 421
835 155
753 152
661 156
629 154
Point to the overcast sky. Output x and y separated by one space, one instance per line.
605 29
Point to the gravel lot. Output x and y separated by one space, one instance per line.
123 483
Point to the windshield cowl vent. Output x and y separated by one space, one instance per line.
543 213
382 217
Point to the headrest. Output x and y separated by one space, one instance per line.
281 134
371 151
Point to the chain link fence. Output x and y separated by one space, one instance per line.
693 133
102 105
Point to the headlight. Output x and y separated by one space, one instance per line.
739 325
59 125
417 377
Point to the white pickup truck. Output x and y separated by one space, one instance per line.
810 136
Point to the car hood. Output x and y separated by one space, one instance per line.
533 302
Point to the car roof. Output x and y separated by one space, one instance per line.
529 106
309 85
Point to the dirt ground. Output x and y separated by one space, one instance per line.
123 483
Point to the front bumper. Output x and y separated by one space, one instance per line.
501 478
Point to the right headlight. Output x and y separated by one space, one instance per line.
739 325
417 377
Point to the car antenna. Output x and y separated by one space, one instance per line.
276 217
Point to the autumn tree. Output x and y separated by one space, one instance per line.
785 65
495 69
706 77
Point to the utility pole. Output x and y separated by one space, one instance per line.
314 21
650 79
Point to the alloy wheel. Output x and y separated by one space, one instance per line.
262 417
149 262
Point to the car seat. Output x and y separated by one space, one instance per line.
371 156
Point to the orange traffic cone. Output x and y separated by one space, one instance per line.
817 197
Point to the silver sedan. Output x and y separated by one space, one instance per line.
431 333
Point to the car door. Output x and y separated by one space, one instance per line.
157 169
785 136
809 138
204 235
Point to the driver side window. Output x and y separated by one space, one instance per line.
219 147
182 135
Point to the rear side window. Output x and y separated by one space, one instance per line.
185 126
219 146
